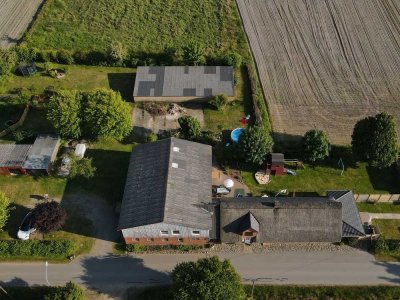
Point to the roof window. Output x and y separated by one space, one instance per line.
176 149
175 165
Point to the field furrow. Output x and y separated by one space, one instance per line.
324 63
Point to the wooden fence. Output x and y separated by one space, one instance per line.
17 124
377 198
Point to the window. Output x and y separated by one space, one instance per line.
164 232
176 232
137 239
175 165
176 149
164 239
180 240
195 232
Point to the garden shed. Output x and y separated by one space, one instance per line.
183 83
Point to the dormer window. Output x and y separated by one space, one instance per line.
176 232
176 149
164 232
175 165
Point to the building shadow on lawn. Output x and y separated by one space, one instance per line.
112 275
123 83
385 179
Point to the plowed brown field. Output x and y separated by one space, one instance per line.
15 17
325 63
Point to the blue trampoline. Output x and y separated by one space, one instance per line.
235 134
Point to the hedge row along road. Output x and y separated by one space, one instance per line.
325 64
15 17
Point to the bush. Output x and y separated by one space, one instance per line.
81 167
65 57
190 127
8 59
219 102
43 56
254 144
208 278
151 137
136 248
25 54
116 53
71 291
48 216
193 53
316 145
36 248
80 57
233 59
374 140
4 209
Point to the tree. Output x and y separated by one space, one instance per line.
233 59
4 209
8 59
315 145
190 127
219 102
71 291
106 114
81 167
255 143
48 216
193 53
117 52
374 140
208 278
25 54
64 113
65 57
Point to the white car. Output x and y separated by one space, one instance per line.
26 228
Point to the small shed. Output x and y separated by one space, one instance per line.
42 154
276 164
80 150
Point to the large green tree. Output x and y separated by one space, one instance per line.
207 279
106 114
254 144
4 209
190 127
315 145
64 112
374 140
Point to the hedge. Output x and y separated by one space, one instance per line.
36 249
287 292
259 104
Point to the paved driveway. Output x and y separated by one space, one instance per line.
112 274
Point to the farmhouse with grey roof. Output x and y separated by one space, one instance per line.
352 224
179 84
166 194
12 158
298 219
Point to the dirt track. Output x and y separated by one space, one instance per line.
325 64
15 17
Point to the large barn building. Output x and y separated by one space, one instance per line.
180 84
167 189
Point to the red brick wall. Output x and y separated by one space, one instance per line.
159 241
5 170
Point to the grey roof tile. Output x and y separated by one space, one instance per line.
13 155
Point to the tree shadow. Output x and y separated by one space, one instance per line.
385 179
16 281
391 268
123 83
17 214
112 275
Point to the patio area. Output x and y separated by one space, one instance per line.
239 189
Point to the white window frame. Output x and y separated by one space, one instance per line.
196 232
173 232
164 232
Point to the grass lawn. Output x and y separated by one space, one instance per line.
390 229
141 25
78 77
228 119
379 207
360 179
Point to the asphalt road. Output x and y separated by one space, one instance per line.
111 274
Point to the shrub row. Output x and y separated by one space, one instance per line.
36 248
383 245
289 292
259 105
